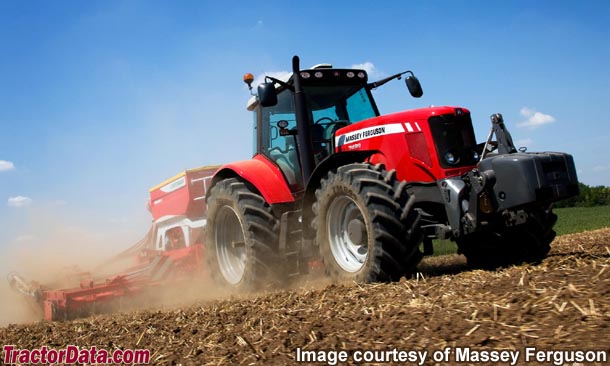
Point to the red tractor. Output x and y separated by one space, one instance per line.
332 179
332 184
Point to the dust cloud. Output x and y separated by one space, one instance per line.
55 254
51 252
14 308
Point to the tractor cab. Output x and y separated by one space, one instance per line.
298 137
334 98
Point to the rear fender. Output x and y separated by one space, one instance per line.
265 176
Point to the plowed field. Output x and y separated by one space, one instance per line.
560 304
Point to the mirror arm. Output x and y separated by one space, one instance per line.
284 84
379 83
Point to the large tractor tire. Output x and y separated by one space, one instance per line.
363 233
242 238
529 243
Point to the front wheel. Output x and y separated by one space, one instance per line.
363 234
241 237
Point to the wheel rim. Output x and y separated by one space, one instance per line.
347 234
230 245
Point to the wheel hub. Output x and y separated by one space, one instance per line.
347 233
356 231
230 245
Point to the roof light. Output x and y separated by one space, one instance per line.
305 75
318 74
248 79
361 75
350 74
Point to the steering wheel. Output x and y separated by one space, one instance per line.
330 120
337 125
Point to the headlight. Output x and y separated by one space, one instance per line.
475 155
451 158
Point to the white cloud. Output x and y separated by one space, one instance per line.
534 118
6 165
370 69
19 201
601 168
276 74
258 25
60 203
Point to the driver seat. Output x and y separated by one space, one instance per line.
289 165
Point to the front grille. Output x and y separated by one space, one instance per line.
454 134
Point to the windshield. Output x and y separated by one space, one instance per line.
339 103
330 107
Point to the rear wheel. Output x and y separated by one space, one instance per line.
529 242
363 234
241 237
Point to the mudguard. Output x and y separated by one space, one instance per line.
265 176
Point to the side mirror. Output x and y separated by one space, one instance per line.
414 86
267 95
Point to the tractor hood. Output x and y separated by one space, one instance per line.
411 121
439 141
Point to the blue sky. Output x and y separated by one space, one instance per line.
100 100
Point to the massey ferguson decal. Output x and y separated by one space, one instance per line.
369 132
